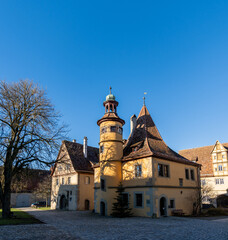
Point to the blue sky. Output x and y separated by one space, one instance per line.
176 51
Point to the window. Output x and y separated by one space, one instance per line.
68 167
172 203
138 200
138 170
69 180
113 129
163 170
215 157
186 173
60 168
216 169
203 182
181 182
223 156
221 181
125 199
87 180
101 149
57 181
220 167
102 184
224 169
62 180
216 181
104 130
120 130
192 174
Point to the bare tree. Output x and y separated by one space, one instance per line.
29 132
43 190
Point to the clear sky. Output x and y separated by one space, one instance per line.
176 51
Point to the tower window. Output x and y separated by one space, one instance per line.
103 130
113 129
120 130
101 149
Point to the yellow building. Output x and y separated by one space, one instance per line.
156 179
73 177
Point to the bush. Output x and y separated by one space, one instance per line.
216 212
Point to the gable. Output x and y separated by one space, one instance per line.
218 147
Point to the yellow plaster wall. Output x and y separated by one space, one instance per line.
85 191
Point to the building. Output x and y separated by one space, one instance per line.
72 177
156 179
214 172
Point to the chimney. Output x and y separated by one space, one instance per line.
133 122
74 140
85 147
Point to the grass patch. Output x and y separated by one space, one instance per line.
44 208
18 218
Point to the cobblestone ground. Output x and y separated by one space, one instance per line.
85 225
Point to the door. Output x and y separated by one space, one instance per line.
86 204
163 210
102 209
63 202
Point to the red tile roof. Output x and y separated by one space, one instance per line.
203 154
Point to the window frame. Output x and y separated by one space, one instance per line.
102 180
136 170
87 182
187 174
192 174
163 166
220 168
135 200
174 205
181 182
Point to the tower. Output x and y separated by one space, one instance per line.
111 152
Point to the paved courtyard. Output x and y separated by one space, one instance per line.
85 225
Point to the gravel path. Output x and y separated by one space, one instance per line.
85 225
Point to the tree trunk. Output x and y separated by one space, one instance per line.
7 190
6 205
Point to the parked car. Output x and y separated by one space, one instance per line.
38 204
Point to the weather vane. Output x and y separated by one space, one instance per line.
144 98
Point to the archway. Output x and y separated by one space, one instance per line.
86 204
102 209
63 202
163 206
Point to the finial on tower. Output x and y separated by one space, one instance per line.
110 88
144 99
